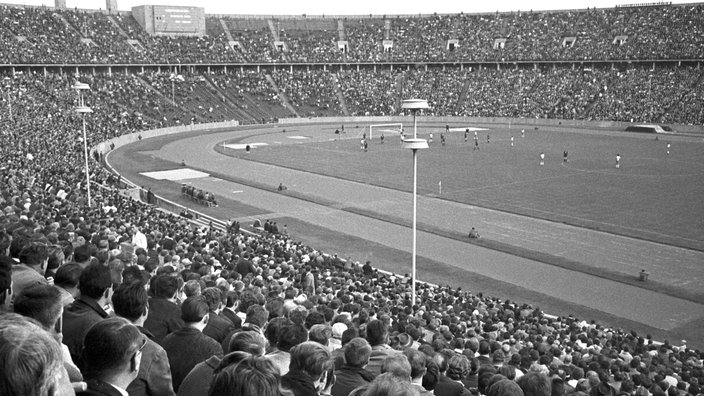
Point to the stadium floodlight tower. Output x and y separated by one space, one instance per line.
415 144
82 109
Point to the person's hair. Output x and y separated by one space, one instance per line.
248 341
311 358
164 286
31 358
109 345
130 301
397 365
81 254
34 253
377 333
232 298
457 367
417 360
213 296
257 315
242 374
41 303
94 280
535 384
504 387
274 328
388 384
320 333
194 309
357 352
68 275
291 336
191 288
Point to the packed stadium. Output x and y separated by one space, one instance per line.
504 203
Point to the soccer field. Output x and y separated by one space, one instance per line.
652 195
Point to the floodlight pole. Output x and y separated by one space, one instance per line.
8 87
82 109
414 144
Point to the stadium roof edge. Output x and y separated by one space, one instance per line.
365 16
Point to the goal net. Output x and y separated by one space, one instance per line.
386 129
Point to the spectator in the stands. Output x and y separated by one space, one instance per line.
378 337
218 327
66 281
130 301
43 304
230 310
164 314
95 286
535 384
310 371
352 374
32 359
200 377
243 374
33 258
189 346
112 353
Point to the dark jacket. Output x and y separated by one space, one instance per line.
78 317
349 378
154 378
99 388
448 387
198 380
218 327
299 383
164 318
236 320
186 348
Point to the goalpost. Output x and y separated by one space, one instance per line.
390 129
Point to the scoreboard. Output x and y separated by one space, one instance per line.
171 20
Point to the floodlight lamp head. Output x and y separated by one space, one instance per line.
79 86
415 144
83 110
415 104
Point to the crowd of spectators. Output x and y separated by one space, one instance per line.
119 296
37 35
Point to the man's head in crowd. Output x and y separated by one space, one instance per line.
290 336
36 255
312 359
535 384
398 366
243 374
130 301
41 303
417 360
194 311
251 342
377 333
112 351
164 286
32 360
95 282
357 352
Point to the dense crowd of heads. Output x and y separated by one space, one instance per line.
59 36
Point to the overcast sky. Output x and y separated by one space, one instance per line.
346 7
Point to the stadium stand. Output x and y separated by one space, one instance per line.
486 345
